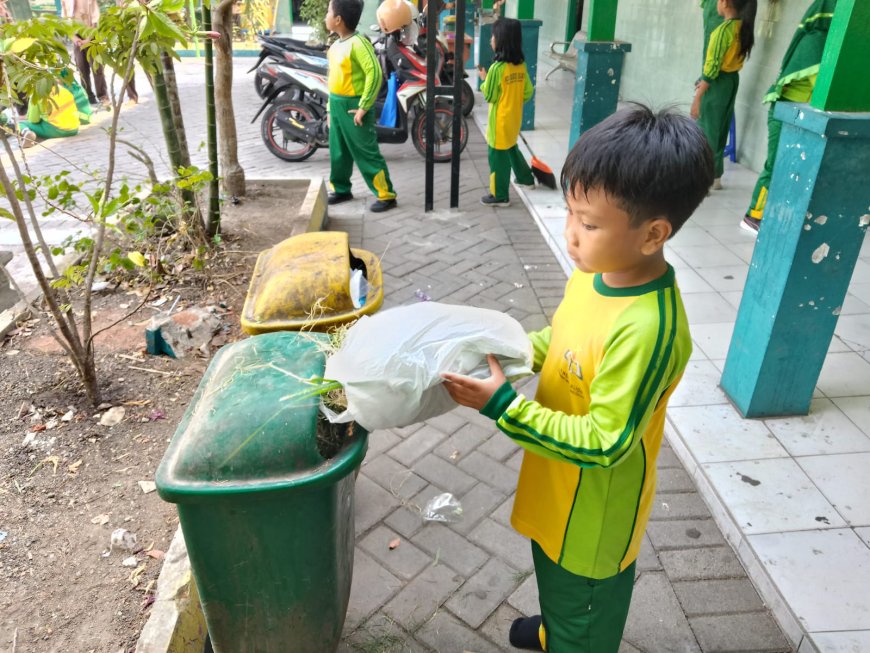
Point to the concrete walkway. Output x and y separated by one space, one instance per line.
454 588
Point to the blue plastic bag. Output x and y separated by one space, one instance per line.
391 104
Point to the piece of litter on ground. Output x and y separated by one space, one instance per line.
122 539
147 486
113 416
517 284
394 543
129 562
3 535
74 467
136 574
423 297
68 416
100 520
157 554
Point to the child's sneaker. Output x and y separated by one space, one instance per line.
379 206
750 224
531 186
489 200
28 138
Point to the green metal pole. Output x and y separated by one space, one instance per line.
525 9
842 82
602 20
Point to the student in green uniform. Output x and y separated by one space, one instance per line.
730 45
506 87
79 95
354 81
55 117
613 356
795 83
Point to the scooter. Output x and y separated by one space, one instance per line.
277 51
294 125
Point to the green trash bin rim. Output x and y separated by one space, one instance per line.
331 471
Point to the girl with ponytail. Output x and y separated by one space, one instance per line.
730 45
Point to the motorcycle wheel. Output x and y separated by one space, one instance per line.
443 150
275 139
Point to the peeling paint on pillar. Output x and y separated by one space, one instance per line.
820 253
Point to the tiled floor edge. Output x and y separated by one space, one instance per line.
764 584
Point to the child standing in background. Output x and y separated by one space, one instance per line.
355 78
730 45
506 88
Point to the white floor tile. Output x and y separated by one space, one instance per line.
854 306
838 476
862 272
860 290
854 641
707 257
864 534
857 409
844 375
826 430
693 236
726 278
699 386
719 434
730 233
855 331
743 250
713 339
771 496
690 281
733 298
823 575
708 308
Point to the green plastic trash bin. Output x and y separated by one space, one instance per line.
267 520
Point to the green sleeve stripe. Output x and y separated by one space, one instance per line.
373 84
724 37
570 515
499 401
655 387
630 533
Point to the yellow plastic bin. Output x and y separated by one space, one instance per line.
304 282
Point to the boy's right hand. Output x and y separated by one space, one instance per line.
471 392
481 72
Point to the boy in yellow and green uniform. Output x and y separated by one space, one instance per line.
354 82
617 348
795 83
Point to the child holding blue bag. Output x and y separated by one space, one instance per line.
506 87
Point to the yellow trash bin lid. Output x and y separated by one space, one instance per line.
304 282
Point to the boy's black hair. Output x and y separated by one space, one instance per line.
651 164
348 10
508 35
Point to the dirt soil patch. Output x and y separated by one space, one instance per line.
67 481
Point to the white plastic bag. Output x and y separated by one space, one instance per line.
390 364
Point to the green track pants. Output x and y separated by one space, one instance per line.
44 129
759 195
581 615
349 144
500 164
717 110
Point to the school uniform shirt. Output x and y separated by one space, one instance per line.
506 88
59 110
723 51
354 70
608 364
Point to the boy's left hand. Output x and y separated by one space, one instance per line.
474 393
481 72
358 115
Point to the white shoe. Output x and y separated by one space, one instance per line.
531 186
717 183
28 138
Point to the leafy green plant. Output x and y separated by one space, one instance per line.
314 13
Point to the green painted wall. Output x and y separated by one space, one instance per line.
666 38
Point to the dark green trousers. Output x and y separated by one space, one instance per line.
349 144
581 615
759 195
717 110
501 162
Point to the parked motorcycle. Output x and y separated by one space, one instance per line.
294 123
277 51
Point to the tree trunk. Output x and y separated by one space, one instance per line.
233 174
175 105
213 219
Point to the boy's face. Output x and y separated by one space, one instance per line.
600 236
331 20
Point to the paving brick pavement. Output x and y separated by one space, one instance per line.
451 588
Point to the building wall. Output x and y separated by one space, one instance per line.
666 38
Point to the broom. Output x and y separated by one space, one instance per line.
543 173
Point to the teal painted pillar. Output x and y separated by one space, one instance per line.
470 12
817 214
596 84
531 28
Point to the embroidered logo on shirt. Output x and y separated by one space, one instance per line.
571 372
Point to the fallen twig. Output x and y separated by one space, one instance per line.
145 369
